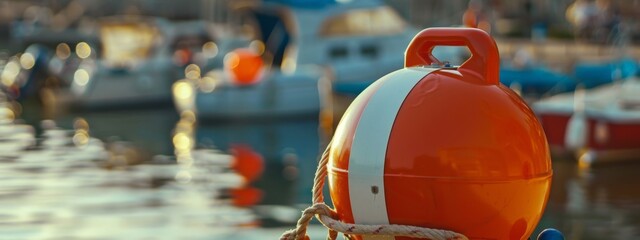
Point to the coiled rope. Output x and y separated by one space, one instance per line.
328 217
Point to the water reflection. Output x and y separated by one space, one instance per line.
60 186
166 180
290 149
596 203
150 130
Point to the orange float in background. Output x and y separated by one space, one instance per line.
442 147
474 17
244 66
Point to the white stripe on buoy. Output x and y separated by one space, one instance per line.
366 162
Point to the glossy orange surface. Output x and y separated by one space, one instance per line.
464 154
244 66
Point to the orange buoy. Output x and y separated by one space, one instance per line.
244 66
442 147
247 162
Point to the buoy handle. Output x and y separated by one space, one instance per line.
484 60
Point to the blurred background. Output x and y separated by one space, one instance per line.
205 119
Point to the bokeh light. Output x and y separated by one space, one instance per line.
83 50
27 61
208 84
81 77
257 46
182 141
183 90
63 51
210 49
232 60
9 73
192 71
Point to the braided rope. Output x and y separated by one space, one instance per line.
328 217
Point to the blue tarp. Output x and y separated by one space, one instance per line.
537 80
540 80
595 74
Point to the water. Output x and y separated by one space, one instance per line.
151 201
597 203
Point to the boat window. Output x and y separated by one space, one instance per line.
125 44
369 51
338 52
374 21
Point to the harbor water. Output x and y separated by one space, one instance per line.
151 196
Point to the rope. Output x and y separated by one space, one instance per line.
328 217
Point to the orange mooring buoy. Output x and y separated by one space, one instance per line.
442 147
244 66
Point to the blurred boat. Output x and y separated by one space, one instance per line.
598 125
279 95
360 41
139 59
349 44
